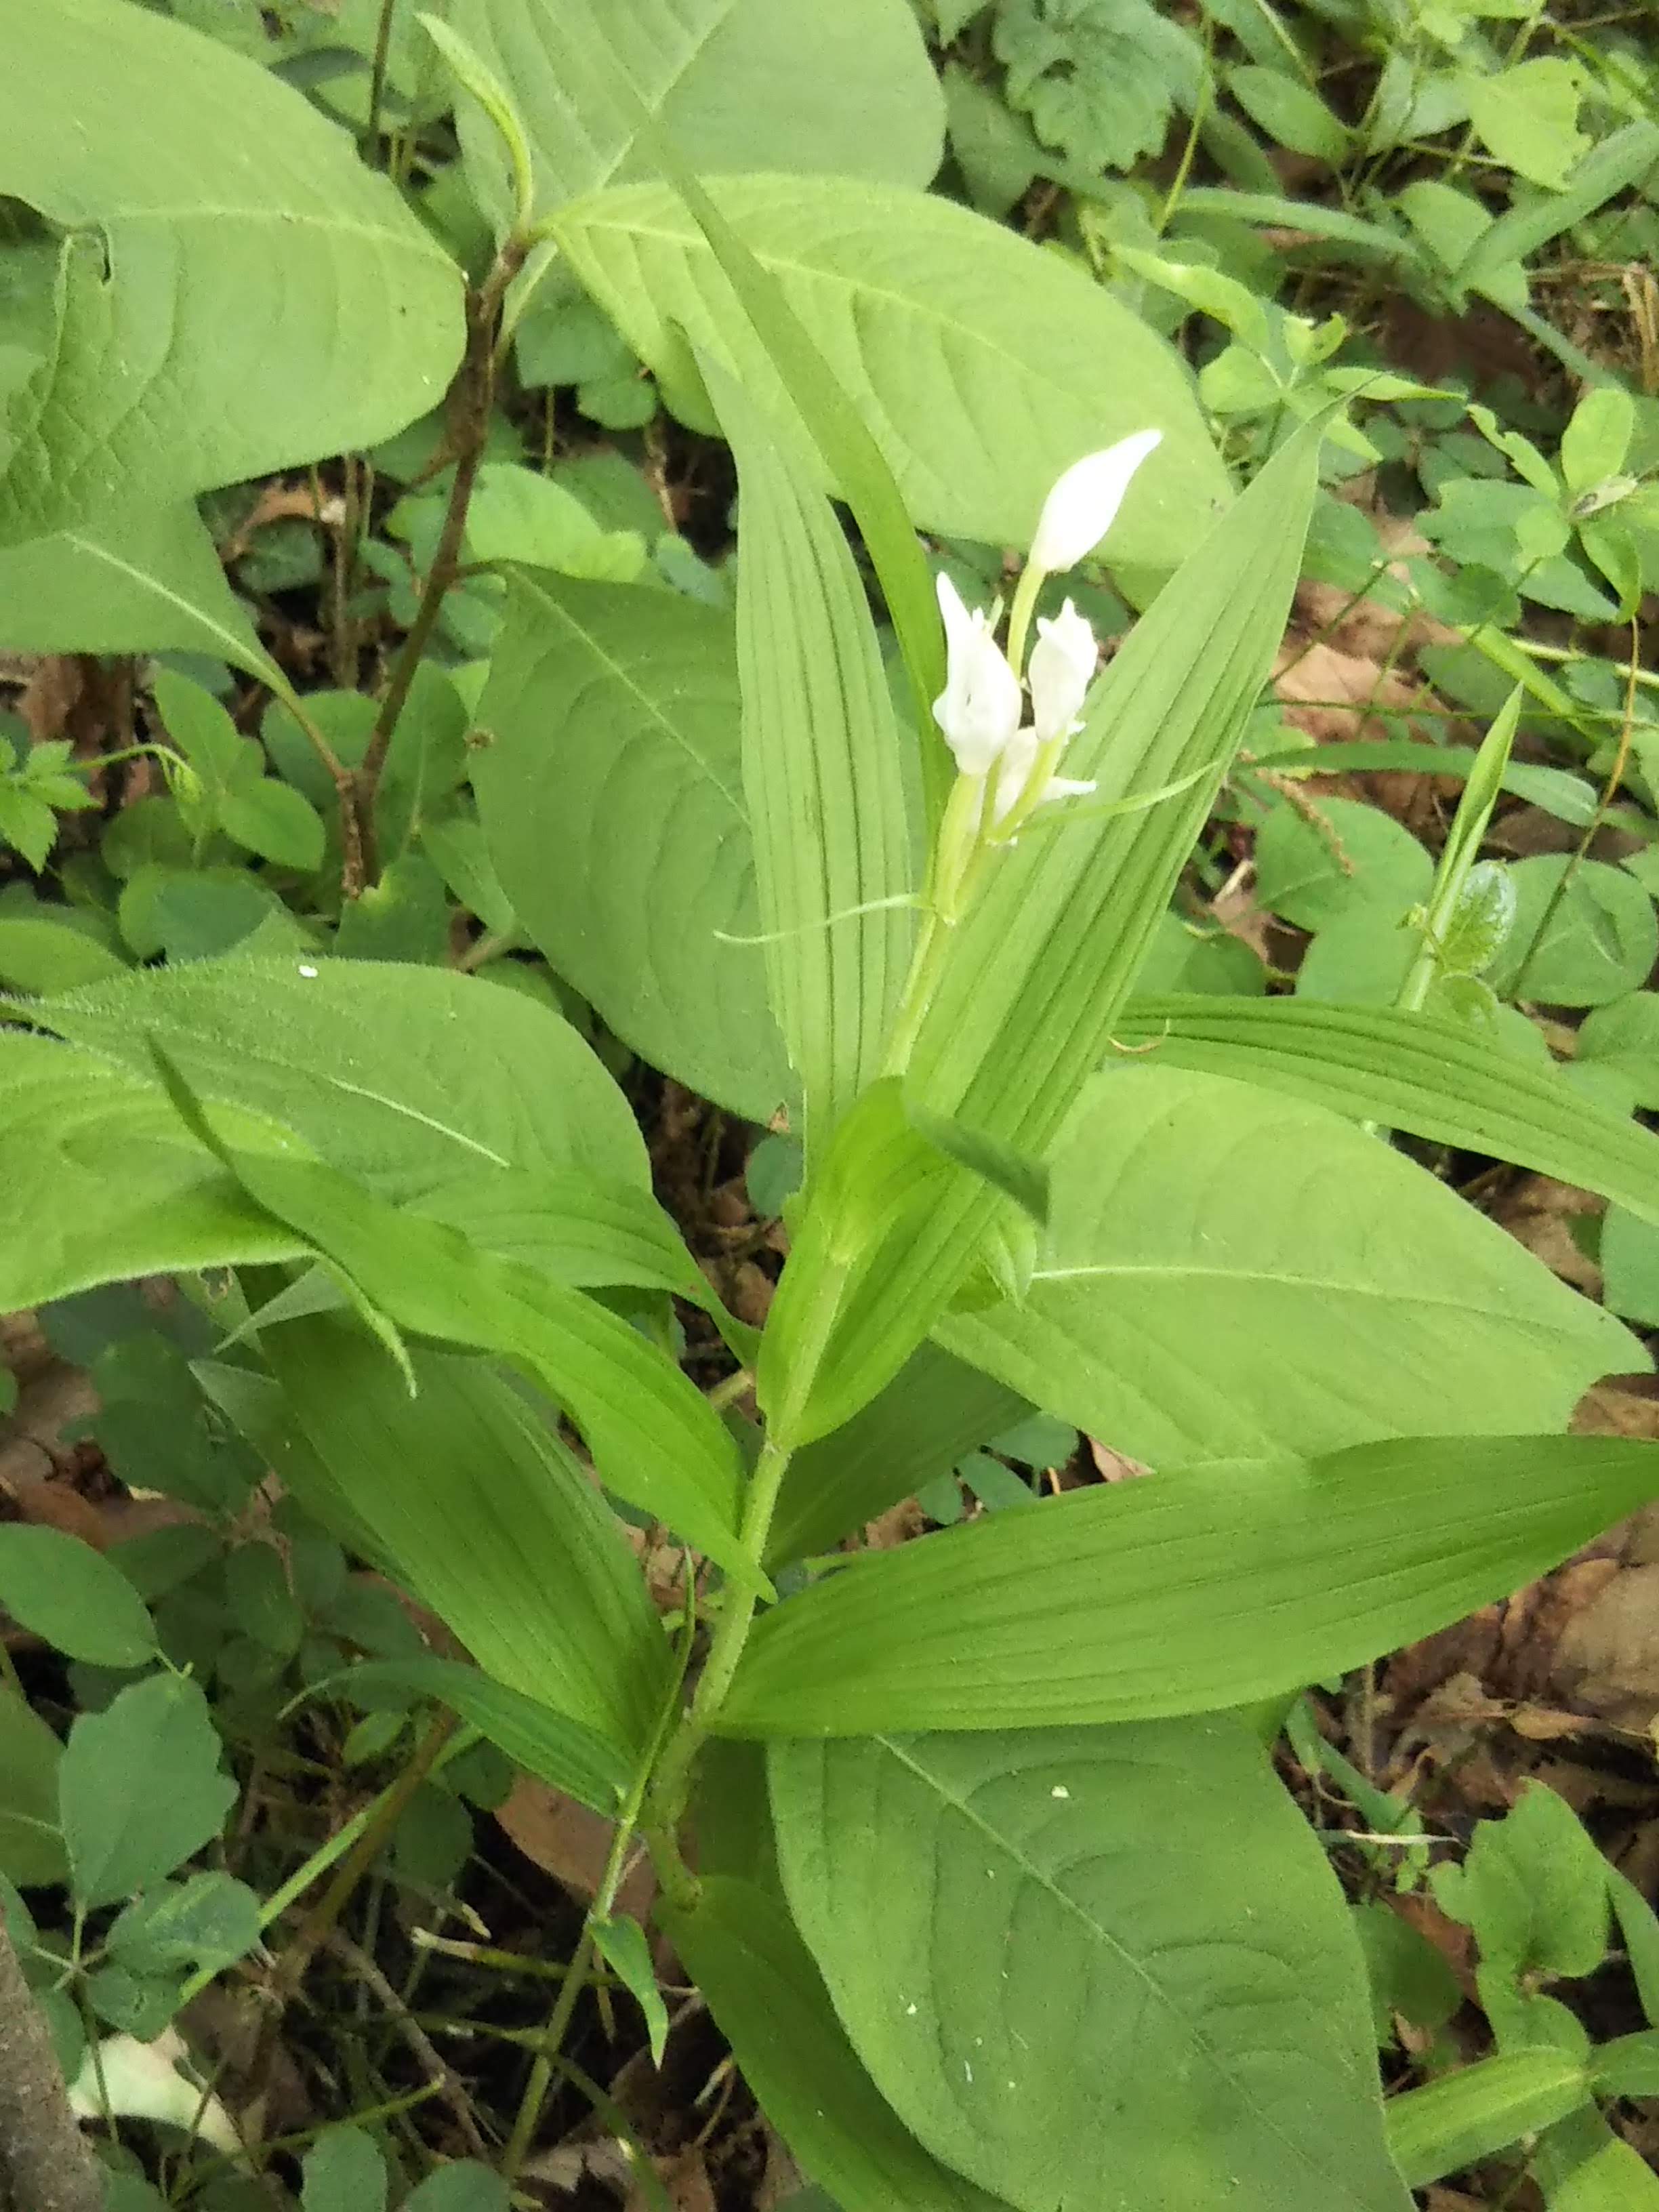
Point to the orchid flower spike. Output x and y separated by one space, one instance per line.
1084 504
1061 669
979 709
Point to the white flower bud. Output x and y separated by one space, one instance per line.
1062 667
140 2082
978 711
1083 506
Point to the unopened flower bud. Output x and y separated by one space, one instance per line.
1062 667
1084 504
978 711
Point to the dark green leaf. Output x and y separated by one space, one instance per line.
31 1840
73 1598
141 1788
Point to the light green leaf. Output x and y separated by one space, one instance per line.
1211 1586
1409 1071
1362 858
1527 118
821 774
31 1841
629 859
1109 1952
973 355
1597 440
518 515
141 1788
38 954
768 1997
1580 947
64 1591
1225 1275
101 1182
623 1945
405 1078
1533 1886
1098 78
467 1494
532 1731
277 823
1619 162
217 317
343 2172
1468 2115
1615 2177
1291 112
836 85
148 581
466 2186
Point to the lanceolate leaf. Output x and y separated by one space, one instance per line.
821 774
610 790
1110 1960
1409 1071
1227 1275
468 1496
973 356
217 316
1479 2109
144 582
1180 1592
769 2000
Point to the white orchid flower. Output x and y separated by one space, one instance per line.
1084 504
1062 667
1014 772
979 709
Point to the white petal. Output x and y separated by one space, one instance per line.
1062 667
1018 759
979 709
1084 504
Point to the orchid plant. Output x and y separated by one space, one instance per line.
974 1845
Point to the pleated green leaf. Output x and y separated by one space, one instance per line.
1227 1275
1479 2109
654 1438
610 790
769 2000
1180 1592
1409 1071
822 774
465 1493
1110 1965
208 316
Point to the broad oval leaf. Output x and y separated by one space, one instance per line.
769 1998
218 315
1110 1959
1227 1275
974 355
840 85
402 1077
1181 1592
610 787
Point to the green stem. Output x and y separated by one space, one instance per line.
1031 580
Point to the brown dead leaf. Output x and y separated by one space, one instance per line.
571 1843
896 1526
1536 1209
1114 1465
685 2180
1608 1651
